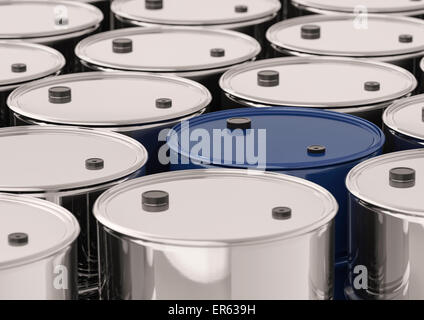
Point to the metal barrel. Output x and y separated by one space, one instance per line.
21 63
404 124
203 54
386 227
55 23
180 237
312 144
38 258
360 8
141 106
348 36
319 83
70 167
251 17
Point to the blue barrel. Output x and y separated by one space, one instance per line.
320 146
404 124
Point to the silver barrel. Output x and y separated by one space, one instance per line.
70 167
387 227
261 236
409 8
199 54
21 63
392 39
404 124
55 23
141 106
38 258
252 17
318 82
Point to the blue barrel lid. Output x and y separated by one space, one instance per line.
289 133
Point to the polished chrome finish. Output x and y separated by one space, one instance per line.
387 226
23 62
226 14
343 36
152 50
325 81
40 62
131 99
268 236
130 103
389 7
17 19
55 23
49 162
405 117
38 250
250 17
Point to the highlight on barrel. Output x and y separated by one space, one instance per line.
386 228
251 17
404 124
216 234
23 62
56 23
313 144
411 8
392 39
199 54
70 167
141 106
319 83
38 248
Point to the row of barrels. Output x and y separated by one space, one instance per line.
245 149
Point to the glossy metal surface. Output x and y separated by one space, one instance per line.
34 21
283 149
44 267
392 7
404 124
325 81
35 165
387 229
170 51
344 36
160 255
40 62
129 99
220 14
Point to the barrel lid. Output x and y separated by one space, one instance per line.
370 182
49 158
46 229
406 116
128 98
240 198
174 49
289 133
21 19
373 6
340 36
195 12
39 61
330 82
